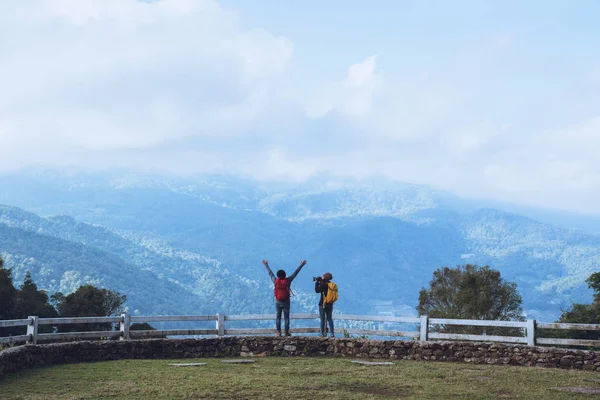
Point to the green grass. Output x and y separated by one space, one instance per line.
293 378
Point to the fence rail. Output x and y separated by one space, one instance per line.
476 338
420 328
172 318
14 322
471 322
15 339
78 320
576 327
78 335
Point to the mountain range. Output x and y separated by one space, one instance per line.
193 245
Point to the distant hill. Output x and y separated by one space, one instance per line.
60 265
381 240
62 254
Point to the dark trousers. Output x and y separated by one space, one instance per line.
326 314
282 306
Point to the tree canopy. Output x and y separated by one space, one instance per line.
8 297
470 292
28 300
8 293
88 301
31 301
584 313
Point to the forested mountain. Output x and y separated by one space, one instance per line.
63 254
206 236
60 265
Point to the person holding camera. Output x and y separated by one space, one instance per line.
282 292
329 295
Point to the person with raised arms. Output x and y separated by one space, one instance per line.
282 293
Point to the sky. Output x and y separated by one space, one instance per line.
494 99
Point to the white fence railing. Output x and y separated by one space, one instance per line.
423 328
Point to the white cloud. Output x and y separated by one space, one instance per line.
183 86
122 74
352 97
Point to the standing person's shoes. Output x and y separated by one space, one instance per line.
278 334
332 335
288 334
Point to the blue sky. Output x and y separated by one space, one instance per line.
492 99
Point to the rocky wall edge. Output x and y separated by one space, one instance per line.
33 356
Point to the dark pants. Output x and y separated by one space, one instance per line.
282 306
326 314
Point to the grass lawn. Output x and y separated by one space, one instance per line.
295 378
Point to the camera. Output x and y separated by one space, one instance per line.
317 278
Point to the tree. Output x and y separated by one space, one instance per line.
31 301
8 297
593 282
583 313
470 292
145 327
88 301
8 293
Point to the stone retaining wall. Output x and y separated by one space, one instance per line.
30 356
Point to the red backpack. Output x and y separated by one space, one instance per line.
282 289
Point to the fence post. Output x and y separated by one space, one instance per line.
424 328
531 332
220 324
32 330
124 326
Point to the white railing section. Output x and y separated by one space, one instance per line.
568 342
425 328
488 338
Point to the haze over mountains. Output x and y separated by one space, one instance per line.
194 245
